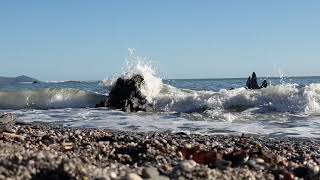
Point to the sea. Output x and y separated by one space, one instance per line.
288 107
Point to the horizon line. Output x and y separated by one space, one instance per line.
299 76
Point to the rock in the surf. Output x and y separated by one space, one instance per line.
248 84
126 95
264 84
253 84
7 121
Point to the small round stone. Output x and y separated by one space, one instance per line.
150 172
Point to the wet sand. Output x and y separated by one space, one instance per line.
43 151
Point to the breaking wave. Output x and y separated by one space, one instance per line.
286 98
238 103
279 98
222 104
50 98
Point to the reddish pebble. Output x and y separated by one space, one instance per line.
288 176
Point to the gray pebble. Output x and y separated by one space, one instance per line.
150 172
187 165
133 176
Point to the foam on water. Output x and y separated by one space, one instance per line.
312 95
279 98
118 120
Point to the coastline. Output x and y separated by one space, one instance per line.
41 150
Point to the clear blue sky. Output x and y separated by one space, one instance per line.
87 40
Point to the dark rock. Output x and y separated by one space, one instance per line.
237 157
51 174
126 95
303 172
264 84
253 84
222 164
111 138
47 139
248 84
288 176
181 133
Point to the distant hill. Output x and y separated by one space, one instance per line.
18 79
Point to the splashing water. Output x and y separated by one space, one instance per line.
224 104
195 105
312 96
139 65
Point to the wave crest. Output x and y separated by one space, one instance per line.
280 98
50 98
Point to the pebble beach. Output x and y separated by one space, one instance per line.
44 151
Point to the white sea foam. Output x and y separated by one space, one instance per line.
240 103
312 95
113 119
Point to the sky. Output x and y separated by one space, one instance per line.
89 40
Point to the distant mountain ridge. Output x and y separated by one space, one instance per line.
17 79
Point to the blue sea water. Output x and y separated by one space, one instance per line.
288 107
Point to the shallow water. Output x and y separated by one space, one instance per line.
289 107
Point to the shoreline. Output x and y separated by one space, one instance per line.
41 150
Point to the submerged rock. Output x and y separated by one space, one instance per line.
126 95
